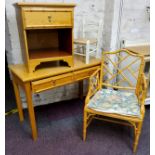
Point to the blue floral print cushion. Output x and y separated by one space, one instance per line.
118 102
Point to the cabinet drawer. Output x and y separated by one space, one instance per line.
41 85
86 73
47 18
48 83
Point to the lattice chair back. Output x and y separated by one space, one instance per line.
122 69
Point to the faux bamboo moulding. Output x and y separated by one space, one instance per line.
46 32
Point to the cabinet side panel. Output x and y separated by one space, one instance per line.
20 26
65 40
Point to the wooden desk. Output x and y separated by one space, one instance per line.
47 78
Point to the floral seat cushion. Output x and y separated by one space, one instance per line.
118 102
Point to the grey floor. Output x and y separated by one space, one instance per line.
60 133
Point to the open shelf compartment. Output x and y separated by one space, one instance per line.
49 43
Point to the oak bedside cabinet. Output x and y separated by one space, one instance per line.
46 32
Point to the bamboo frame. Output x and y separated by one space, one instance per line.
140 90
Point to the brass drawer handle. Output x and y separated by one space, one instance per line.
49 18
53 83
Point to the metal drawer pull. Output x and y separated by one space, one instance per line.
53 83
49 18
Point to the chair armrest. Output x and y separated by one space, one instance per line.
94 84
141 91
141 88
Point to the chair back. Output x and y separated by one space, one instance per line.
122 69
91 29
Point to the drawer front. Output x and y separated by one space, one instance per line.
47 18
52 82
48 83
86 73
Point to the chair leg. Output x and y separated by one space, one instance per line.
84 125
87 51
137 135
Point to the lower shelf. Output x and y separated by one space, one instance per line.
37 57
48 53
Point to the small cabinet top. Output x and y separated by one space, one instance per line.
26 4
47 15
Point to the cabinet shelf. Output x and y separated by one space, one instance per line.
47 53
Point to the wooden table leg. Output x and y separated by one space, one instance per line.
81 89
18 100
31 110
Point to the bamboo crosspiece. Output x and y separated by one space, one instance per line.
120 71
105 77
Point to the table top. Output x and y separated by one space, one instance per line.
51 69
143 49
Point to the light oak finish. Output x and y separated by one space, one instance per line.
60 80
56 19
54 5
27 88
18 100
49 76
46 33
140 91
141 49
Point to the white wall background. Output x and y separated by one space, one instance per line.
135 21
135 26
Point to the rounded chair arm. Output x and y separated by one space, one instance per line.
94 85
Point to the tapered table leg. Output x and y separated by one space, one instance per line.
31 110
18 100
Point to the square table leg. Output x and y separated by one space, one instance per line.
28 93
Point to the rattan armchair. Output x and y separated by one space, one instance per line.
117 92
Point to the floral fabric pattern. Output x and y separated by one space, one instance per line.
118 102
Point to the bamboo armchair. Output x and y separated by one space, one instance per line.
125 85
